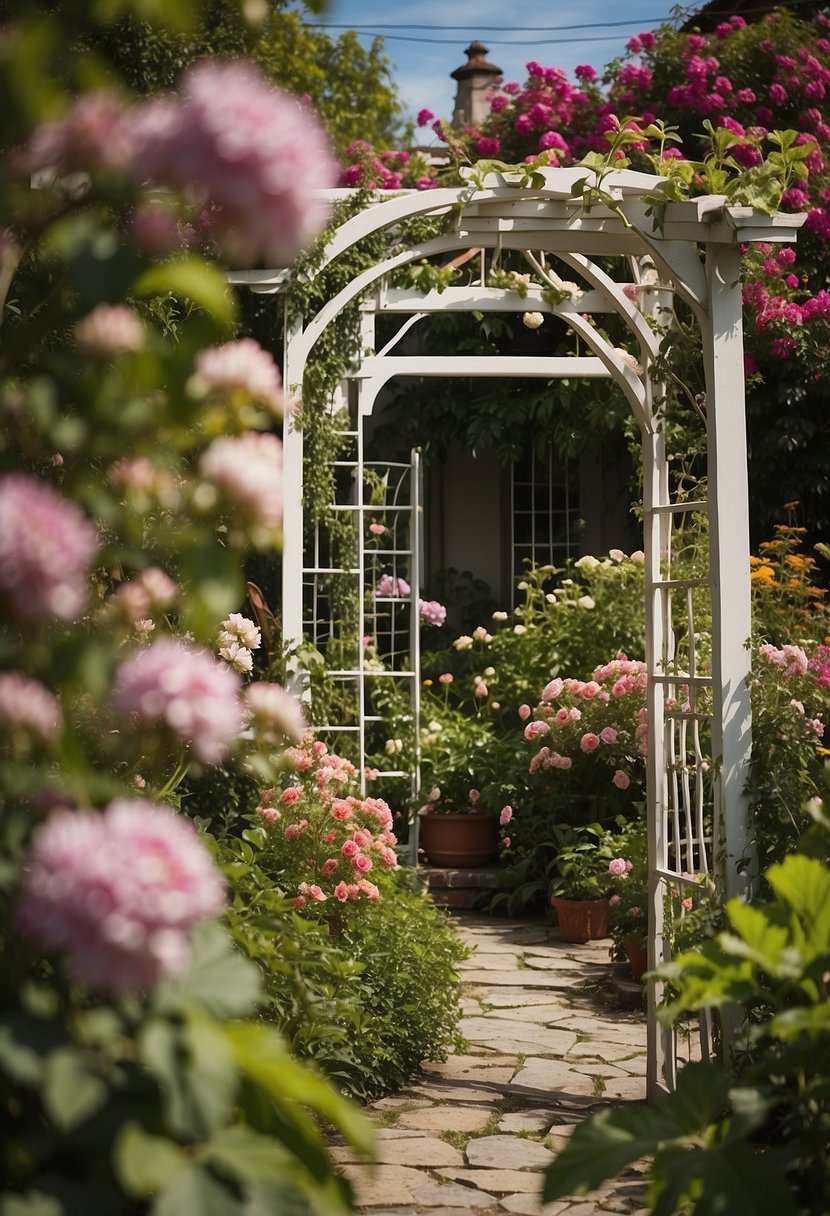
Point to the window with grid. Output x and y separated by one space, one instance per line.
544 511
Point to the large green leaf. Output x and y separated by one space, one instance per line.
247 1155
195 1070
603 1146
72 1091
144 1163
197 1192
805 884
218 979
721 1181
193 279
261 1055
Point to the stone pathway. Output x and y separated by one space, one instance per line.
546 1045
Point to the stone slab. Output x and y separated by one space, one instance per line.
455 1093
446 1118
531 1205
434 1194
496 1071
507 1152
501 1032
383 1185
498 1181
409 1149
517 997
522 977
539 1120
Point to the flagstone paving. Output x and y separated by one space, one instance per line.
546 1044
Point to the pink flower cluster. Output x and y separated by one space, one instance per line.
273 713
111 329
182 692
258 163
29 713
388 585
431 612
46 548
791 660
246 473
239 368
120 893
603 719
328 838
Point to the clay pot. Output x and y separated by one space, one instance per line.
463 840
581 920
637 960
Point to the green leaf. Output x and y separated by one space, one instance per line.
194 279
218 980
196 1192
247 1154
72 1090
804 883
196 1073
146 1163
603 1146
261 1054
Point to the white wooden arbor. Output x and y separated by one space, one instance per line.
697 813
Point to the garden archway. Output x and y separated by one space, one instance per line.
697 812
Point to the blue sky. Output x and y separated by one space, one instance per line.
421 68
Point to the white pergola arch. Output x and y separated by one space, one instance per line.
695 248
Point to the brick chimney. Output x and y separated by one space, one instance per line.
476 81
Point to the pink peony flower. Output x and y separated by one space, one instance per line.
120 892
617 867
621 779
552 690
506 815
589 742
291 795
524 712
111 329
341 892
431 612
259 157
362 862
239 367
535 730
608 734
377 529
183 691
28 711
446 678
387 585
273 712
246 472
46 547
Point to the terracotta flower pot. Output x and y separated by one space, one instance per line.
637 960
581 920
463 839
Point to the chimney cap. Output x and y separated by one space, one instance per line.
476 62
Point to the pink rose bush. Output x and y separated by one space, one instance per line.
329 846
594 730
119 893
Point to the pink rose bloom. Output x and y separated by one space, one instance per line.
92 134
377 529
269 814
362 838
589 742
349 849
239 367
552 690
562 716
246 472
120 893
615 900
535 730
260 158
506 815
111 329
481 690
183 691
389 586
341 810
341 892
446 678
369 890
617 867
473 796
524 712
362 862
563 762
431 612
608 734
291 795
29 713
389 857
46 547
506 842
687 904
621 779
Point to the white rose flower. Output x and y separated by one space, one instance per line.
499 616
616 555
638 556
532 320
520 629
585 601
463 643
586 563
489 671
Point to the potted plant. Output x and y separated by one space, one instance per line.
581 890
629 901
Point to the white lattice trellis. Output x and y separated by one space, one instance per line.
697 814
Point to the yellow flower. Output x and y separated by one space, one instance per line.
765 575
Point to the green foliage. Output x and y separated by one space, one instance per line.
757 1140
